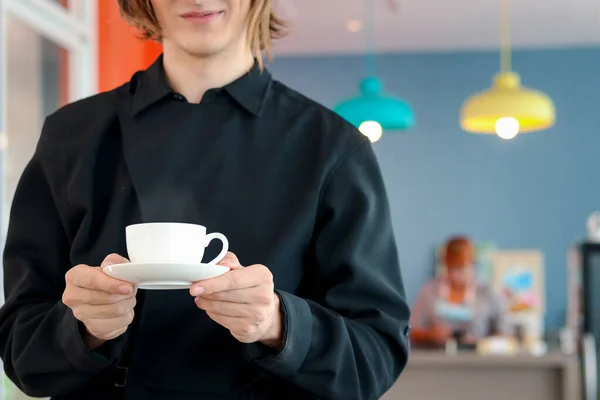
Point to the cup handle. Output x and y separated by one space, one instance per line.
212 236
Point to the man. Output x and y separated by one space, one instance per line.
205 136
457 303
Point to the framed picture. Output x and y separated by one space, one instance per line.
519 277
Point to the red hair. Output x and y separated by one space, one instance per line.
459 252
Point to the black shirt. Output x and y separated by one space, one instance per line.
292 186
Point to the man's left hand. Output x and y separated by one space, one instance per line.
242 300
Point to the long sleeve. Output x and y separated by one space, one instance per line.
499 323
348 338
40 340
421 311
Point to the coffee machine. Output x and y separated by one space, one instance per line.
583 312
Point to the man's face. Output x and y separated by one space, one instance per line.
203 27
460 276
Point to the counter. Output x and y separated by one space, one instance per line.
433 375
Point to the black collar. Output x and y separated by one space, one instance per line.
250 90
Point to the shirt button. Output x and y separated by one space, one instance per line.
177 96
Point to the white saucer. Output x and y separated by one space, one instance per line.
163 276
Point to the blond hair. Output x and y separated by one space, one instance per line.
263 24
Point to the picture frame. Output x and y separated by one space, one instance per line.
518 275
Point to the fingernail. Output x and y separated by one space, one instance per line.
125 289
197 291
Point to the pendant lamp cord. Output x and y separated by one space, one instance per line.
369 37
505 51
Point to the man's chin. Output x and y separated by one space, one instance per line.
202 49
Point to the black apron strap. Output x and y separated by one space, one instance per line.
121 370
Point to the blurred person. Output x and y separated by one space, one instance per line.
205 136
456 304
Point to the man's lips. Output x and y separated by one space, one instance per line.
202 16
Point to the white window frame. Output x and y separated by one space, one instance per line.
74 29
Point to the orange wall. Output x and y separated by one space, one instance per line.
120 52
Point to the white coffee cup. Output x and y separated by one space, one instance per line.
173 243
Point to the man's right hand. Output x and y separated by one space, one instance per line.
103 304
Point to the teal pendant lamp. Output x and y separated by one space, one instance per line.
373 111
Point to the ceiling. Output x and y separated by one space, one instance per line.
319 26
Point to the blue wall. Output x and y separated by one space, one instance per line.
534 191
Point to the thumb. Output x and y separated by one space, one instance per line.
230 261
112 259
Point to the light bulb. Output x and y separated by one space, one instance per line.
507 127
372 130
353 26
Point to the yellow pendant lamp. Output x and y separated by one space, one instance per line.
507 108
